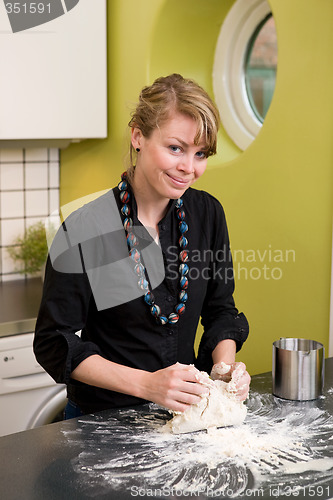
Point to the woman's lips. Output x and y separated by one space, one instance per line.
178 181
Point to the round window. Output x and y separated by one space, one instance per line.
245 69
260 67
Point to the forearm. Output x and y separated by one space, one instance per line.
99 372
175 387
225 351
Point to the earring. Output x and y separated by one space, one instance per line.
137 150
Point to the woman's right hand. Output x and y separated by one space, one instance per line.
175 387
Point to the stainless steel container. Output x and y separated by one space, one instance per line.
298 369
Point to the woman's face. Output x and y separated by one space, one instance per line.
168 162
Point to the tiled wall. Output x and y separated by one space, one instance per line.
29 192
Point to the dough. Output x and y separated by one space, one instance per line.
219 408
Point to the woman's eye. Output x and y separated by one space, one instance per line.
201 154
175 149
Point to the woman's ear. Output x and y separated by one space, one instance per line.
136 137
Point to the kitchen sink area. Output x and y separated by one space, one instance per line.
19 303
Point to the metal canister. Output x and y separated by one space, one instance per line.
298 369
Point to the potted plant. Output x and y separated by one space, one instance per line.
31 249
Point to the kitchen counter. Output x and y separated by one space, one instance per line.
119 454
19 302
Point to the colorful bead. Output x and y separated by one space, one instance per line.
149 298
183 227
143 284
162 320
124 196
181 214
183 255
125 210
183 242
135 254
139 269
132 240
173 318
155 310
122 186
128 223
124 176
182 296
179 203
183 282
180 309
183 269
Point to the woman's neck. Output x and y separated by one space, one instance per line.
150 210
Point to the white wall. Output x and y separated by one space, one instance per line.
29 192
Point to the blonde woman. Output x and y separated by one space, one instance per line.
138 268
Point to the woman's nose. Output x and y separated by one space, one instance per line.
186 164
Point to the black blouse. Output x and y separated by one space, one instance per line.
91 303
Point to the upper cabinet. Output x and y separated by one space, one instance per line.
53 82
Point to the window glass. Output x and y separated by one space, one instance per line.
260 67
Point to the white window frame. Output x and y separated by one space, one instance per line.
237 115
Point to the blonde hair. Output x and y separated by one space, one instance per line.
174 93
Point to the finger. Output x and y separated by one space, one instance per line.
194 388
177 406
185 399
239 366
221 371
192 374
243 387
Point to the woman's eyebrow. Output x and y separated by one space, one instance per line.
183 143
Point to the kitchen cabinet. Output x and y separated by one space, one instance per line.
53 86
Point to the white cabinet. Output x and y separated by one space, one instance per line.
53 81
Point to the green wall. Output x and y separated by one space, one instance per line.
278 193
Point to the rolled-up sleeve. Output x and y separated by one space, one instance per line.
220 318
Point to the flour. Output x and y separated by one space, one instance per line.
321 464
219 408
280 443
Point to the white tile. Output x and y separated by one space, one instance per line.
36 203
54 200
12 204
54 154
10 230
54 175
36 154
36 176
8 265
11 176
30 221
9 155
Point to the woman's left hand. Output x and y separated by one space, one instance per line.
235 372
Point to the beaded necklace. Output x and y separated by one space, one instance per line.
139 268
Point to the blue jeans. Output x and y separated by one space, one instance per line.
72 410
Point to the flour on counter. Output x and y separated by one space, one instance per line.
279 443
219 408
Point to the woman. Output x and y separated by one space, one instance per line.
138 313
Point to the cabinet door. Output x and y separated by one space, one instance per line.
53 76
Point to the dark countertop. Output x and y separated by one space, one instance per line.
120 454
19 301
